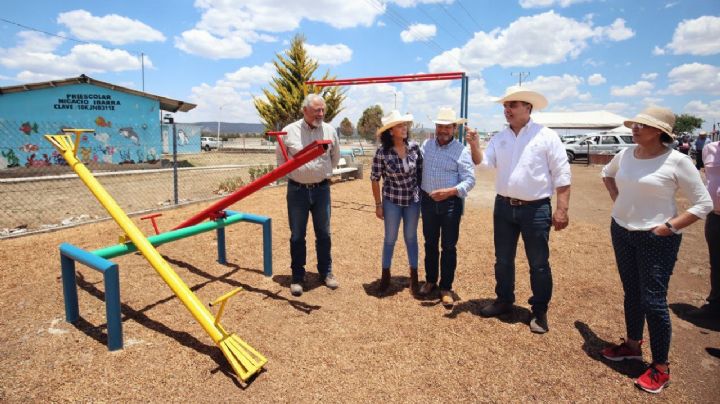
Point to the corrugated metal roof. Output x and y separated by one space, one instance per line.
166 104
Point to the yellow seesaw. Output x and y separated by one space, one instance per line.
244 360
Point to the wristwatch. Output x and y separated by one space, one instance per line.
672 228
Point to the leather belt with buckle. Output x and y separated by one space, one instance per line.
520 202
308 186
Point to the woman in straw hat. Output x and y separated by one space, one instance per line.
646 234
399 163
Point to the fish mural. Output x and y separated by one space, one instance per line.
100 121
27 128
33 162
130 134
102 137
11 158
29 148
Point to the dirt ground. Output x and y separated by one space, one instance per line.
347 345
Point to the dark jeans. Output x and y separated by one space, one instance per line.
712 236
441 225
301 202
533 222
645 262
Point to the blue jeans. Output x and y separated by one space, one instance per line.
393 214
645 262
533 222
441 221
301 202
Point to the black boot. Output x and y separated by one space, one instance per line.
384 281
414 287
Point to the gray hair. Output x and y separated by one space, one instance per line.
311 98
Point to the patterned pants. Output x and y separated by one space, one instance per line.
645 262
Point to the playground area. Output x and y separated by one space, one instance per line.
347 345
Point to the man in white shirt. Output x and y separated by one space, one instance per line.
308 192
531 164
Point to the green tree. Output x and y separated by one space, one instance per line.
346 128
282 103
686 123
370 122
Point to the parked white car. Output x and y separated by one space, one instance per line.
598 143
207 143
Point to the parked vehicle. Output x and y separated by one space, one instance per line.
207 143
597 143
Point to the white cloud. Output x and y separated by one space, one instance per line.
640 88
619 108
596 79
557 88
413 3
672 4
330 54
696 37
203 43
694 77
236 24
650 101
707 111
380 23
649 76
236 106
112 28
248 76
525 42
36 59
549 3
617 31
658 51
418 32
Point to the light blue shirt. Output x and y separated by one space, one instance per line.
446 167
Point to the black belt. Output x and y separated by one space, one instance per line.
308 186
520 202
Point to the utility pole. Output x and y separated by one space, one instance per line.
521 76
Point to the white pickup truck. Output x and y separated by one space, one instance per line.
207 143
609 143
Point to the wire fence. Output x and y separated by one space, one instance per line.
39 197
36 198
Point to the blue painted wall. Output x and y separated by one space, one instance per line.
127 127
188 138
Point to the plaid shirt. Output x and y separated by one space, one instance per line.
399 187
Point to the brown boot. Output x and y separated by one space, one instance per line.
414 281
384 281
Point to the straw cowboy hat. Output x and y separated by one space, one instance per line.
447 116
702 133
516 93
393 119
657 117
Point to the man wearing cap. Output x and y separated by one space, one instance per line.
448 175
308 192
699 144
531 164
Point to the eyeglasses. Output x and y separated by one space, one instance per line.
636 125
514 104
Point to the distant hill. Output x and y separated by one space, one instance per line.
230 127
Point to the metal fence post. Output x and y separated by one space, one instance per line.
175 165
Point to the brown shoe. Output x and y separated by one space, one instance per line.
426 289
414 286
446 298
384 281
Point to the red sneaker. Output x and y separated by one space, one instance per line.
621 352
653 380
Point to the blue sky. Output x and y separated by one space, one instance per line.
583 55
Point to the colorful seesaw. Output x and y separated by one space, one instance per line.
244 359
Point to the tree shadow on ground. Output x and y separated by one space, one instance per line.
473 306
594 344
397 285
225 278
681 310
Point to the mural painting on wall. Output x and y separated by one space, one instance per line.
127 127
188 138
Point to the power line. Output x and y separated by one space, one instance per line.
420 7
44 32
457 21
469 15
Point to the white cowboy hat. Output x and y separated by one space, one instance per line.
447 116
393 119
657 117
516 93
